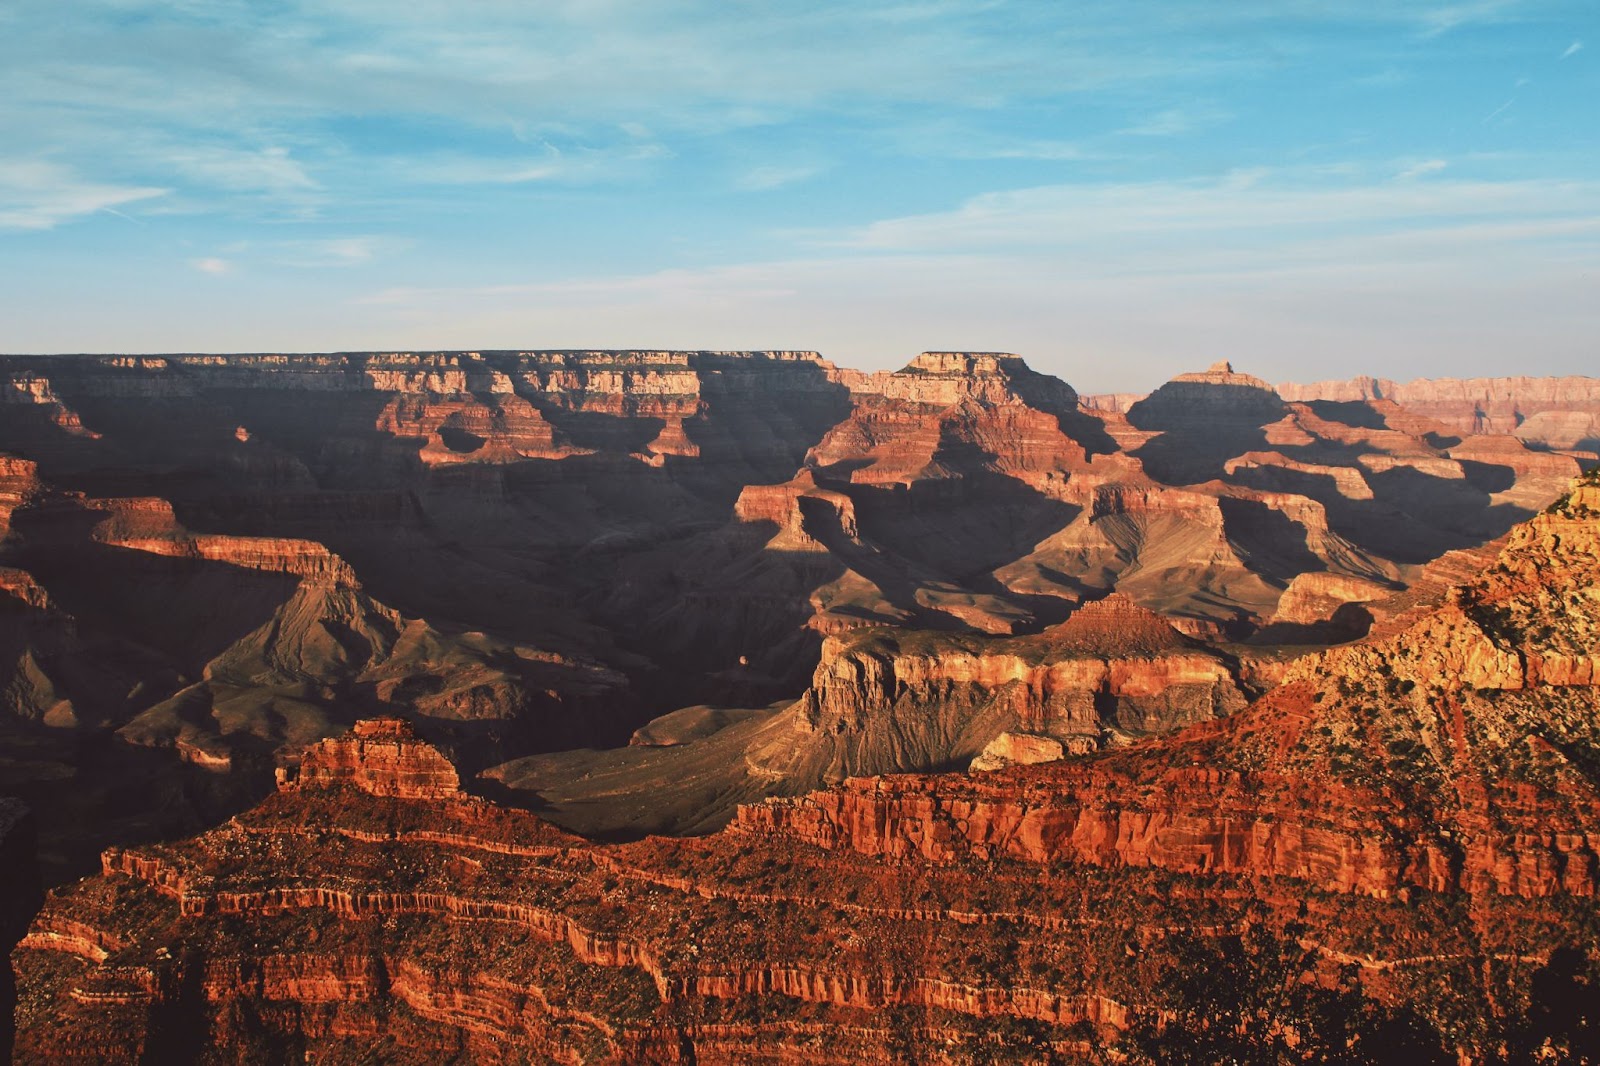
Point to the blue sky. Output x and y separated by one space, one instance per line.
1119 191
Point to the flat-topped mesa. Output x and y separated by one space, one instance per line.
1201 421
944 379
882 699
805 513
379 756
148 524
443 373
1237 390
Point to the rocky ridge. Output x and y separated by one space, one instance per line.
1452 756
1417 812
210 562
1559 413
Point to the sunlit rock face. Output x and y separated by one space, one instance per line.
1555 412
1398 810
1448 755
210 563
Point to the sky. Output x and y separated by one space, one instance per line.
1118 190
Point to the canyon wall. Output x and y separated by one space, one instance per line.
1553 412
208 563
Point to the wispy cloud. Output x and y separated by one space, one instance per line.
335 251
1572 49
1442 19
1502 109
1176 121
1092 281
578 165
296 104
40 195
212 265
270 170
761 179
1242 208
1422 169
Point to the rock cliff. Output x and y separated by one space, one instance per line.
208 563
1412 819
1557 412
1452 756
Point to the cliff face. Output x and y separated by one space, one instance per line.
1452 756
208 563
353 913
1558 413
1113 670
152 678
1413 817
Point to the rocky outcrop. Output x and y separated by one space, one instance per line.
1324 608
1017 749
1412 761
335 919
888 702
382 757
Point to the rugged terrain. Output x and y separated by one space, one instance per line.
209 562
1555 413
1392 852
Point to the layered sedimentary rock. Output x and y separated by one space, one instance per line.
1111 669
1451 756
1553 412
1415 814
208 563
382 757
136 654
888 701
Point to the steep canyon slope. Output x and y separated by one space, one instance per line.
209 562
1387 850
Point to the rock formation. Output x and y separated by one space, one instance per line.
1413 818
1558 413
208 563
1450 756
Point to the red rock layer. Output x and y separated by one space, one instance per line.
1447 756
332 919
1556 412
222 559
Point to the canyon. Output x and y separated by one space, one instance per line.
1415 814
211 561
327 674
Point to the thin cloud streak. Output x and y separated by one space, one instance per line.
1084 280
40 195
1240 206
